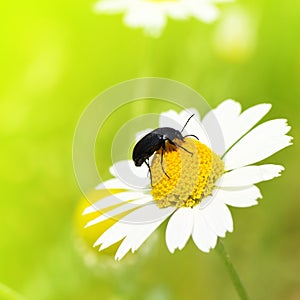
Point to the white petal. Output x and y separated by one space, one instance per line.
146 214
126 207
179 229
203 236
239 197
245 122
217 124
135 238
206 12
222 1
114 234
258 144
115 6
248 119
139 135
119 198
114 183
176 10
150 18
171 119
227 110
249 175
218 217
177 121
144 233
132 176
186 114
233 124
193 126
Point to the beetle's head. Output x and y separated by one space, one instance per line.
178 135
138 161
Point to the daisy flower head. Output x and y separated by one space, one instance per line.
152 15
192 181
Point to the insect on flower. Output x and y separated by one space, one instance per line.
195 199
156 140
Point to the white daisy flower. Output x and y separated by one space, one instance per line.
152 14
192 191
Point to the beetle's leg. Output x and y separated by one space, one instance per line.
177 145
162 159
149 170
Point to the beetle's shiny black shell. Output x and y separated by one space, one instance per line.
152 142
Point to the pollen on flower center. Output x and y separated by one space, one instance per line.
191 176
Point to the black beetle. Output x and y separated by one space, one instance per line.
156 140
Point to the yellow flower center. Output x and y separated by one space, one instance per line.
192 173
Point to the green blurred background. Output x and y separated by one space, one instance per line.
57 56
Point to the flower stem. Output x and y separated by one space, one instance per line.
232 272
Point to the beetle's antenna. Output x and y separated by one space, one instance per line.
186 122
192 136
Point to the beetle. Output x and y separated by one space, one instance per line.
156 140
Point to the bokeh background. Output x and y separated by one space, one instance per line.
55 57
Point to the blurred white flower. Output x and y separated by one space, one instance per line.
152 14
200 187
235 35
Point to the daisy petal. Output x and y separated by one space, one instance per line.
234 125
203 236
205 12
136 238
127 207
114 183
176 11
146 214
115 199
116 6
171 119
260 143
193 126
153 21
249 175
217 216
239 197
221 120
114 234
134 177
152 15
248 119
144 234
187 113
139 135
177 121
179 229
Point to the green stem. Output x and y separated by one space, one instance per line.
232 272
